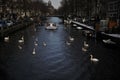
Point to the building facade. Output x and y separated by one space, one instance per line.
50 8
119 12
113 9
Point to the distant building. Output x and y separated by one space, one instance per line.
119 9
113 9
2 5
50 8
119 12
113 12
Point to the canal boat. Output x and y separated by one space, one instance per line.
51 26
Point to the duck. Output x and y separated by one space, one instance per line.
93 59
85 44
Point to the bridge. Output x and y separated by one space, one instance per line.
60 16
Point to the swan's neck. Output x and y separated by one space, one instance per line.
91 57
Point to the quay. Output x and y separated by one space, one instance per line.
100 34
9 29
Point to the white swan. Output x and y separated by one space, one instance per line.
19 47
85 44
21 40
34 51
83 49
6 39
35 43
79 28
93 59
74 25
44 44
71 38
68 43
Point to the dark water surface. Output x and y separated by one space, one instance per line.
32 60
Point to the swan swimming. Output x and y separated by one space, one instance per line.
79 28
35 43
44 44
68 43
33 51
6 39
85 44
93 59
71 38
83 49
20 47
21 40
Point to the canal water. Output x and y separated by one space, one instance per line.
35 53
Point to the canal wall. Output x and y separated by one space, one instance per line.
4 31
